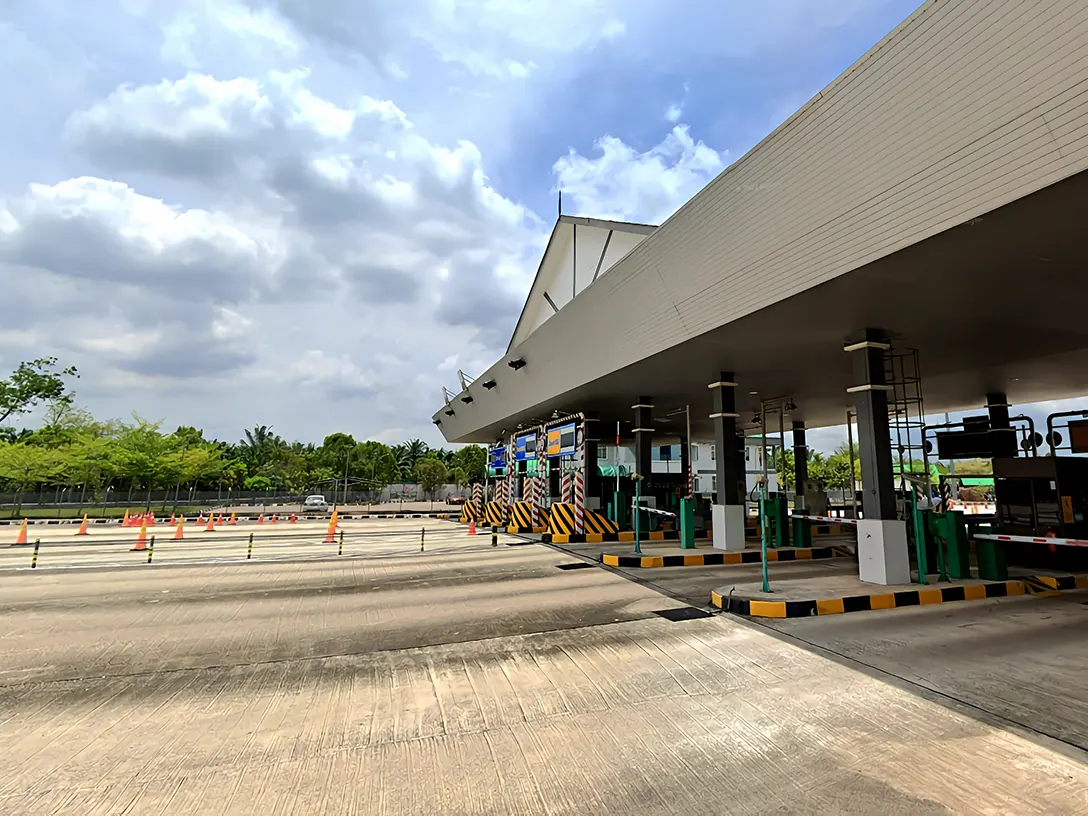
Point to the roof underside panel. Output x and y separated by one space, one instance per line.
964 108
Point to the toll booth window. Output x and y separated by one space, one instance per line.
566 440
695 453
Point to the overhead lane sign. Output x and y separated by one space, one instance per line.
561 440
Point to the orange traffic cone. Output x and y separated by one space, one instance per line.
471 527
274 519
149 519
293 519
211 524
220 519
233 519
178 534
330 536
125 522
173 520
141 539
260 518
83 526
21 538
200 519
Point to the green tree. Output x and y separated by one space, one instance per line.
471 459
375 463
431 473
257 483
24 465
32 383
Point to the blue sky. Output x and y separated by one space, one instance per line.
235 212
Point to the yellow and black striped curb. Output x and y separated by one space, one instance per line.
601 538
562 521
1034 585
494 514
719 559
524 530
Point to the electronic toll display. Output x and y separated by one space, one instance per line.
497 458
562 440
525 447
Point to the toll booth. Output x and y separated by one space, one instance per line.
1043 496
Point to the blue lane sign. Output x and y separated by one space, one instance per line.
497 457
525 448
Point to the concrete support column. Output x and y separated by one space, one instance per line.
882 539
644 437
800 463
592 469
802 530
727 513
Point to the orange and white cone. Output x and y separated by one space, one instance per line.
233 519
260 518
141 539
471 527
125 521
292 519
82 526
274 519
219 520
330 536
211 524
173 520
179 532
200 520
21 538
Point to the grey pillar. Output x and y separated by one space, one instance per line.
800 463
874 437
727 514
592 472
883 556
644 437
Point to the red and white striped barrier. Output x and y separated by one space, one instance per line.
826 519
1057 542
579 503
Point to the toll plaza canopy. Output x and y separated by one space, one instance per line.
934 192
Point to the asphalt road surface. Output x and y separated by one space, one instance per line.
463 682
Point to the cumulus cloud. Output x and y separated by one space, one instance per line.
620 182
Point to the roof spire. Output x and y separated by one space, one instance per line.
560 203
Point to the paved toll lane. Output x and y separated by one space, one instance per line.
480 682
1024 659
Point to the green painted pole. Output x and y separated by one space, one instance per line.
919 538
687 524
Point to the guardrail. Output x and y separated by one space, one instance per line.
1018 539
222 547
825 519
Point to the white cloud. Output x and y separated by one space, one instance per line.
673 113
621 182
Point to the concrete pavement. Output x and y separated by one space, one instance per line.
483 681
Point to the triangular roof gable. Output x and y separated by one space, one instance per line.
597 233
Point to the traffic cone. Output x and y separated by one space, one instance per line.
21 538
293 519
200 520
178 534
211 524
233 519
83 526
125 521
173 520
219 520
274 519
471 527
330 536
149 519
141 539
260 518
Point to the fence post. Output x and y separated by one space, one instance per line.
150 549
494 536
422 535
34 557
249 549
340 550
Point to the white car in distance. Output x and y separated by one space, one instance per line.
315 503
